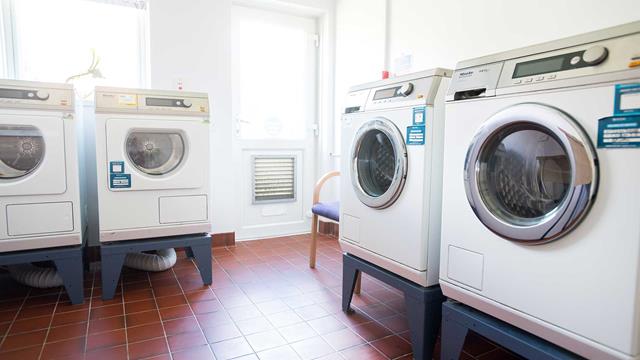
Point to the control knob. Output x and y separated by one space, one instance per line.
42 95
406 89
186 103
595 55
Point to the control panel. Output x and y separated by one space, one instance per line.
154 102
402 92
356 101
415 90
59 97
548 69
181 104
602 57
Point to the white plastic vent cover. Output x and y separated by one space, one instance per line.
274 178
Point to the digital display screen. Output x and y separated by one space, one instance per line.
160 102
536 67
12 94
386 93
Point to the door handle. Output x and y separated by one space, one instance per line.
240 121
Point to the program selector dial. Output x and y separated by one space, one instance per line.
42 95
406 89
595 55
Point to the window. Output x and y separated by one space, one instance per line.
274 80
21 150
155 153
51 41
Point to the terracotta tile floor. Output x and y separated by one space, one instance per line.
265 303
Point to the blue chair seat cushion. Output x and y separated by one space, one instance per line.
329 210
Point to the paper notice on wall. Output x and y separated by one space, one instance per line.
403 64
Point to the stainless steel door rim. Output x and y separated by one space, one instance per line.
531 173
378 145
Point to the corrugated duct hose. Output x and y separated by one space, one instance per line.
35 276
160 261
47 277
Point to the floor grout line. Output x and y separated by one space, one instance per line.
6 334
155 301
247 274
44 342
86 338
191 308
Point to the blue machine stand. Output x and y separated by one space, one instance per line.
423 303
197 246
68 262
458 319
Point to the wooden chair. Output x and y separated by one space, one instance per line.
328 211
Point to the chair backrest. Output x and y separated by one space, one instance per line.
320 184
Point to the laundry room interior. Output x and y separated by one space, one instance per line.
319 179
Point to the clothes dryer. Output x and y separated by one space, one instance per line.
390 191
541 208
152 156
39 191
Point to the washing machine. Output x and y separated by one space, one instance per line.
390 189
39 186
152 160
541 207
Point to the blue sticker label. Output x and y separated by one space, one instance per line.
120 181
619 132
627 100
419 115
116 167
415 135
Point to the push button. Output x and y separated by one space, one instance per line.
551 77
528 80
540 78
575 60
519 81
634 63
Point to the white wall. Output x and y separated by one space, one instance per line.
193 43
440 33
360 48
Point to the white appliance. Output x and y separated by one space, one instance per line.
39 191
390 190
541 205
152 156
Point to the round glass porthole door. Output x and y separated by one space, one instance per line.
531 173
21 150
379 163
155 153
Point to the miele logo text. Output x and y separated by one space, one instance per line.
466 73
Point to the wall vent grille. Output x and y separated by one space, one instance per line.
274 178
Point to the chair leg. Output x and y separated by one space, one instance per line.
314 242
358 286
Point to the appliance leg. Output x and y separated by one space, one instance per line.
313 248
424 322
111 269
350 275
188 252
202 255
71 270
455 335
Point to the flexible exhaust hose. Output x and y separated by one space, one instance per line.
48 277
35 276
161 261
